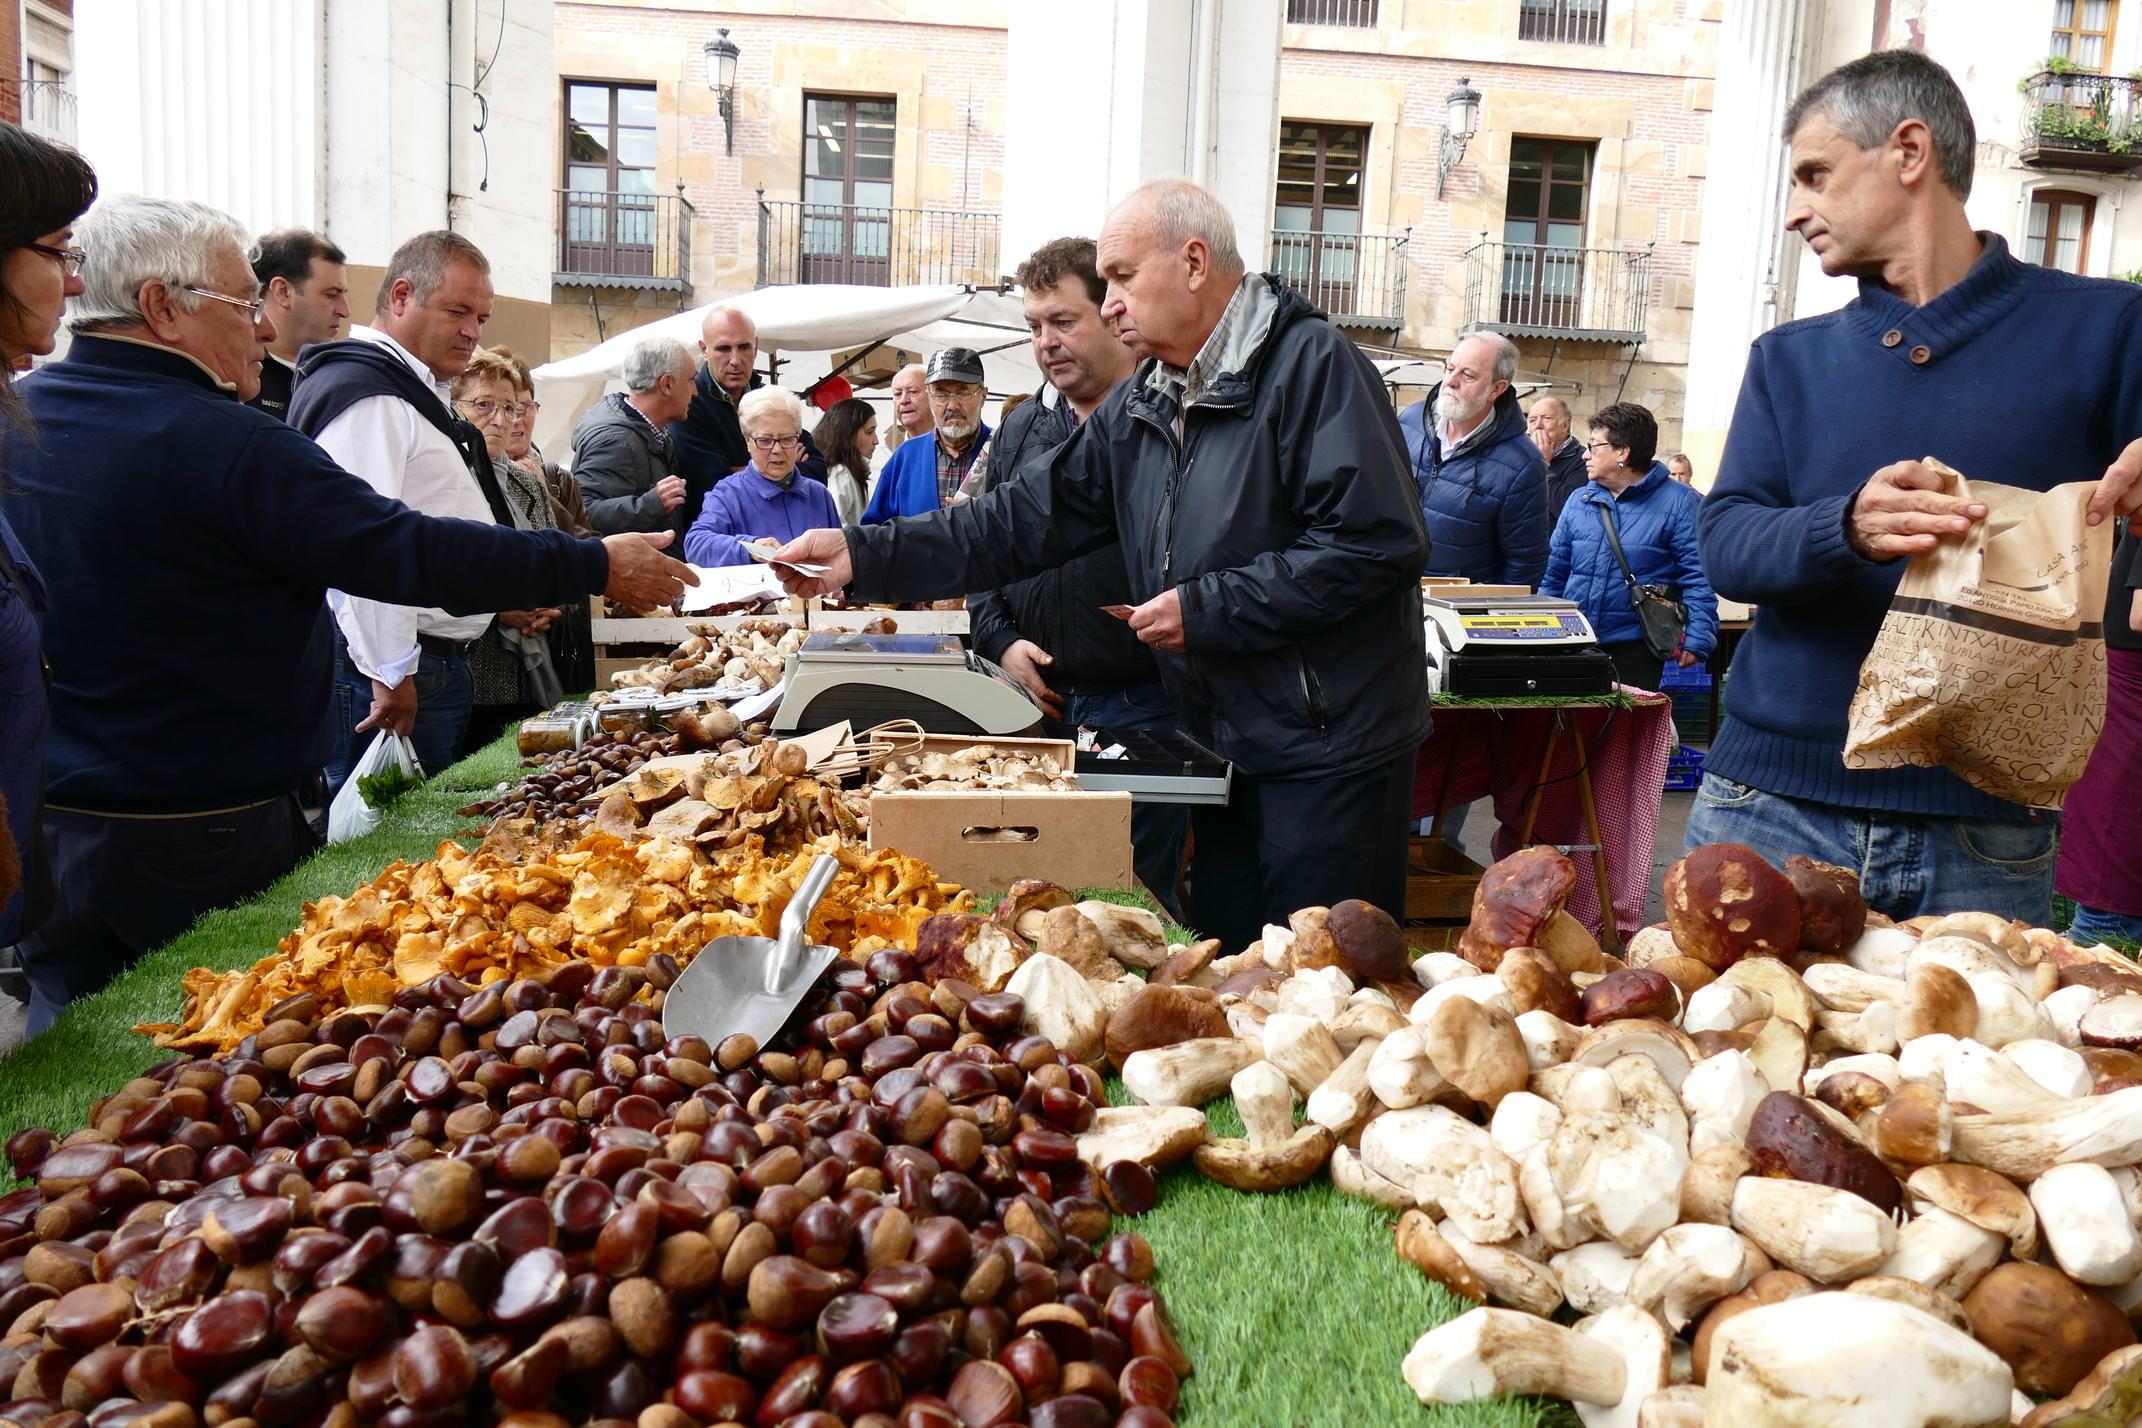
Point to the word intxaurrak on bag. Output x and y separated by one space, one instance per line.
1991 660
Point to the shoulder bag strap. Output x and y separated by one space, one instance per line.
1606 518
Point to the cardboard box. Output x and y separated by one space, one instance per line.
669 631
1081 840
1062 750
905 622
1454 589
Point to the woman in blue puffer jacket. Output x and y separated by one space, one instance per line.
1655 517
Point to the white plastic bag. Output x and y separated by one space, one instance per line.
349 816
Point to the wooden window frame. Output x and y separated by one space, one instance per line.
852 263
2056 199
2077 34
1324 131
1322 265
1534 290
621 217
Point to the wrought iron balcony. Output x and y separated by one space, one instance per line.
1339 14
2082 121
1358 279
46 106
875 247
1563 22
624 240
1577 294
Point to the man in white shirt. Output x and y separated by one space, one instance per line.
390 420
304 287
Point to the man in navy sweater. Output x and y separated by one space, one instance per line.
2010 373
188 543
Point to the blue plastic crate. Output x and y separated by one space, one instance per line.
1695 677
1684 770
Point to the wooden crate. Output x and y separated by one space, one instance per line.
1439 882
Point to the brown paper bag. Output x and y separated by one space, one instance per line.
1991 660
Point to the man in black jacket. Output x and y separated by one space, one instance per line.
1050 631
1548 425
1254 474
708 443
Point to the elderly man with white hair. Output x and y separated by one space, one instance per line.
769 499
1568 468
188 544
910 406
1482 482
1254 475
623 457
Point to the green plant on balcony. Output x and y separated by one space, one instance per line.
2051 64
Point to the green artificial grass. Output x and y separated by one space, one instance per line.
1294 1307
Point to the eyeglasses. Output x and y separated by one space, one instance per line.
484 409
775 443
71 259
1599 446
254 306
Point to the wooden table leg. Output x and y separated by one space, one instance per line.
1539 785
1610 928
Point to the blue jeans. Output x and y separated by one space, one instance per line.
2091 926
1909 864
445 694
1158 830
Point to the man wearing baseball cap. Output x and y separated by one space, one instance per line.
924 475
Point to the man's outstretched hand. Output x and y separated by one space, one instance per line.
827 546
641 577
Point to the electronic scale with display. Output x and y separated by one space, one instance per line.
870 679
1510 646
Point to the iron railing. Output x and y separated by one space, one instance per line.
2082 121
624 240
1358 279
875 247
1563 22
1340 14
46 105
1537 290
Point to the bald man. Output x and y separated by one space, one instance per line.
708 443
1548 424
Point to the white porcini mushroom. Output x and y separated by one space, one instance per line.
1723 1005
2058 1069
1594 1276
1245 1020
1370 996
1558 1225
1363 1021
1647 1360
2083 1214
1350 1177
1059 1004
1549 1040
1433 969
1318 993
1586 1088
1344 1101
1648 1100
1851 1361
1113 995
1841 987
1780 986
1448 1162
1621 1176
1401 1072
2006 1012
1882 952
1153 1136
1871 1030
2064 1011
1188 1073
1132 935
1263 1098
1476 1047
1496 1353
1691 1267
1650 944
1302 1047
1977 1075
1488 991
1678 1405
1521 1122
2104 1130
1926 1058
1510 1276
1882 1068
1721 1094
1277 944
1826 1234
1944 1252
1968 958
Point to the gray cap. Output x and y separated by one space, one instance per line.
954 364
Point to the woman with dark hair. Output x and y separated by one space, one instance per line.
848 435
48 187
1654 518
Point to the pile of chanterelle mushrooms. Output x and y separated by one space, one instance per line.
1787 1163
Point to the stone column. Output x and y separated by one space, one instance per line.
1746 262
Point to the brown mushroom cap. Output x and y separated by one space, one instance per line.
1193 959
1914 1126
1725 902
1372 946
1314 946
1986 1199
1852 1093
2110 1396
1633 992
1832 912
1420 1245
1235 1164
1687 974
2112 980
1162 1016
1245 982
1030 895
2048 1328
1771 1287
1789 1139
1936 1000
1068 936
1514 902
1536 982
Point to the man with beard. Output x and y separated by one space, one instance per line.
1481 480
925 475
1253 474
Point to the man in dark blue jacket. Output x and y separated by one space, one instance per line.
189 543
708 444
1481 481
2009 372
1548 423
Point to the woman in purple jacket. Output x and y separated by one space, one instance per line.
769 499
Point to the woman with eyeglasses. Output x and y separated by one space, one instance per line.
511 665
767 500
48 187
571 636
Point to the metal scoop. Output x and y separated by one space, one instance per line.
749 985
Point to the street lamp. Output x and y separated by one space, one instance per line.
721 78
1461 121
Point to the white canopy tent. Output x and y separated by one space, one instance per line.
802 327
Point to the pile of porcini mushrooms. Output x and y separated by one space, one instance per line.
1785 1163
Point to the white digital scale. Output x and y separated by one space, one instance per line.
1506 646
868 679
